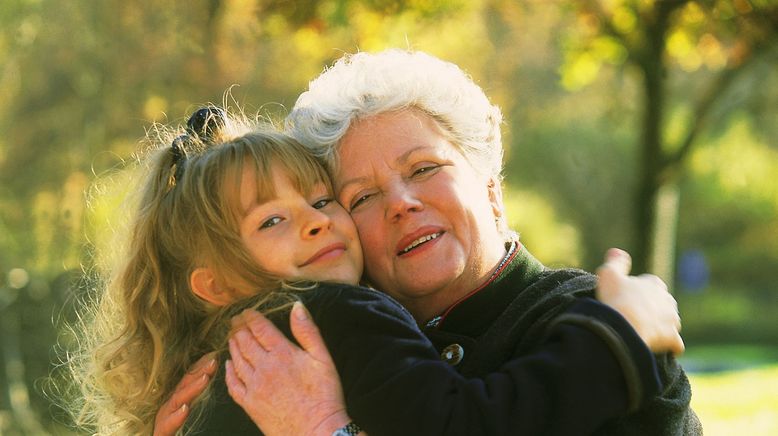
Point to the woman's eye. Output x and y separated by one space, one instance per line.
360 200
271 222
425 170
321 203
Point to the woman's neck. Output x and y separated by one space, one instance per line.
435 304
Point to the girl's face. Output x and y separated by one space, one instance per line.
298 237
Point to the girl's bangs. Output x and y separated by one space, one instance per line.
304 171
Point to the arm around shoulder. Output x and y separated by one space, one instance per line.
395 382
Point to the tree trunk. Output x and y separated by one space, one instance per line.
650 60
662 261
650 167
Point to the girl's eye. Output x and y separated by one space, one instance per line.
271 222
322 203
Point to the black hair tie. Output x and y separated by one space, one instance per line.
179 155
205 122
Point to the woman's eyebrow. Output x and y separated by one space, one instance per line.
402 159
349 182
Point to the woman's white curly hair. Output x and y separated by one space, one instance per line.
366 84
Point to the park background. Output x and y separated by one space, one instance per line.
643 124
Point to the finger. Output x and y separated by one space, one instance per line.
266 333
243 368
677 320
239 320
608 281
235 385
607 275
248 346
172 423
204 365
307 333
187 394
619 259
677 347
187 390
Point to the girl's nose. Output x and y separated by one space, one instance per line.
316 222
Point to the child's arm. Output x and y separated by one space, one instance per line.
394 383
470 403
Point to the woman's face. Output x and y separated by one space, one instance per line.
297 237
425 218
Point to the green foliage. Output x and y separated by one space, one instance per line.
79 82
549 237
734 181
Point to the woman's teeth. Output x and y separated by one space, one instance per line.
419 241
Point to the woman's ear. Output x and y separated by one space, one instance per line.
203 284
495 197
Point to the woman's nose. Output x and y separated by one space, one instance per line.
402 199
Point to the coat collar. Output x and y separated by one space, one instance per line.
473 314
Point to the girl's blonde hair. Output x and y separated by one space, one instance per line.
146 326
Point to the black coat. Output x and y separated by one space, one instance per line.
507 319
532 359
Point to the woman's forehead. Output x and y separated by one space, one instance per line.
391 138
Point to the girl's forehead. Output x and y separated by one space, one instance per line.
260 183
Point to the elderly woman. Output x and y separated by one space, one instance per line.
414 150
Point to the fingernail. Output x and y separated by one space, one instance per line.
183 408
300 312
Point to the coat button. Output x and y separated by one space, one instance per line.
453 354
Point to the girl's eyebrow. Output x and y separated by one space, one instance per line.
254 205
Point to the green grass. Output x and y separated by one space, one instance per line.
712 358
742 402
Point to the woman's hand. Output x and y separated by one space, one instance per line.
283 388
643 300
172 415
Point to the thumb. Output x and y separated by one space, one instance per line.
619 260
307 333
612 273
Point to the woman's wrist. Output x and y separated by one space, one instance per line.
332 423
350 429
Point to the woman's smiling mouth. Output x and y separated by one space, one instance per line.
418 241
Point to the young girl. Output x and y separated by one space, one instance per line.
233 215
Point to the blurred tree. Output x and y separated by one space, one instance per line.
79 80
653 37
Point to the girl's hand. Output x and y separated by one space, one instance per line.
172 415
643 300
283 388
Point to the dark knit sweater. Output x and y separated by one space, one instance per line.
509 318
556 370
